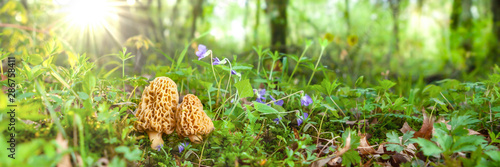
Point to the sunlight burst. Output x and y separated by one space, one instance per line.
89 13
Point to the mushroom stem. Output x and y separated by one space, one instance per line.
195 139
156 140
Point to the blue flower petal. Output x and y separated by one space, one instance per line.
216 61
306 100
202 49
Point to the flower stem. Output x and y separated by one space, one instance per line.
229 79
258 65
271 73
215 77
298 62
316 67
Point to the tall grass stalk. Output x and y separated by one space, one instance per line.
298 62
317 63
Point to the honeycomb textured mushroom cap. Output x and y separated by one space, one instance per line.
156 109
192 121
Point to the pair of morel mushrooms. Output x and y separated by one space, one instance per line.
159 112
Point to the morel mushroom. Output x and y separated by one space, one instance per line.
155 113
192 121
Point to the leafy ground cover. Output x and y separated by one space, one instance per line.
82 114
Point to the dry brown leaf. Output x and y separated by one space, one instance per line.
364 147
63 145
406 128
296 133
398 159
380 149
427 127
177 160
324 161
335 161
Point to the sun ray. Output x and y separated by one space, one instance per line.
87 23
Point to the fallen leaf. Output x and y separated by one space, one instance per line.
380 149
324 161
177 160
398 159
364 147
406 128
427 127
337 161
296 133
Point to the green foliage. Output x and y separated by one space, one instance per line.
454 140
244 88
392 137
351 141
81 97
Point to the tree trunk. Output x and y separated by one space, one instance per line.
395 28
347 18
279 23
495 9
467 43
197 11
256 26
455 14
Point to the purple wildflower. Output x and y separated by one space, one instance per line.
260 95
219 62
158 148
235 73
302 118
306 100
216 61
277 120
182 145
279 102
202 49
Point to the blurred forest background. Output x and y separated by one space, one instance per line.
426 39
